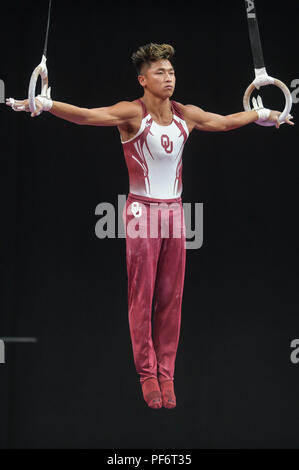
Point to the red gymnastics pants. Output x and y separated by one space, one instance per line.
156 259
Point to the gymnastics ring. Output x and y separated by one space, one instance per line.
288 98
42 71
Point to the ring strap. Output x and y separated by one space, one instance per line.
254 35
48 26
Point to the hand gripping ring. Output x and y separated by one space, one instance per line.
288 98
40 70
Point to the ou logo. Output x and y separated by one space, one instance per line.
136 209
166 143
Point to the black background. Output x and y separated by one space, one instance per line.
77 386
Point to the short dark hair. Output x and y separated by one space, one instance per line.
151 53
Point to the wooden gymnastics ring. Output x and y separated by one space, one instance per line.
42 71
287 108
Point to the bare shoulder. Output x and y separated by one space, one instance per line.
189 110
134 114
190 114
130 109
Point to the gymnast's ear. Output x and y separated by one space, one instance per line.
142 80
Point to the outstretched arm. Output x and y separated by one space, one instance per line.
116 115
205 121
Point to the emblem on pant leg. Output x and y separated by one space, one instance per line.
136 209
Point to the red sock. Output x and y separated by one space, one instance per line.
168 396
151 393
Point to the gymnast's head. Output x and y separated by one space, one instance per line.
154 66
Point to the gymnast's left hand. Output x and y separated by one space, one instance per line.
274 117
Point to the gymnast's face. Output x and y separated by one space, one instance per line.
158 78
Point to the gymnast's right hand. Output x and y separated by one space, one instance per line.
42 103
23 105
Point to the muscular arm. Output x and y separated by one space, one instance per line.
116 115
120 114
211 122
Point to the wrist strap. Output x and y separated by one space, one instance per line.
46 102
263 114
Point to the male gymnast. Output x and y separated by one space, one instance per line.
153 130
